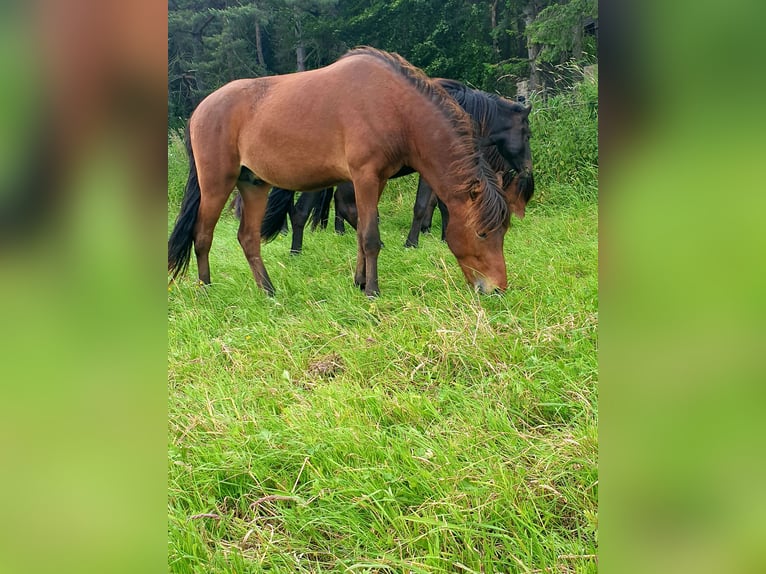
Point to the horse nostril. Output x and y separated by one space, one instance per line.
485 287
481 285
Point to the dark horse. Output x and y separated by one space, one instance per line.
314 206
503 128
306 131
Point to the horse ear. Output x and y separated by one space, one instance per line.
527 110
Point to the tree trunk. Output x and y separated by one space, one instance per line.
259 45
533 50
493 24
199 51
577 40
300 48
300 57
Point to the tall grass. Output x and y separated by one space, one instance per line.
428 430
565 145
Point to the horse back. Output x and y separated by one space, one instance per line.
311 129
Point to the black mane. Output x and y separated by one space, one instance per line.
485 109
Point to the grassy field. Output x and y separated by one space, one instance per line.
428 430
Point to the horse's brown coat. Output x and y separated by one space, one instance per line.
359 119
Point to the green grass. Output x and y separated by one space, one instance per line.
428 430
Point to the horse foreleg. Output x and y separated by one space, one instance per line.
320 211
367 193
445 217
340 227
299 215
254 199
360 273
425 226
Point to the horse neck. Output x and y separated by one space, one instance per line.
436 154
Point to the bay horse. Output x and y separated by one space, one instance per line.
307 130
503 128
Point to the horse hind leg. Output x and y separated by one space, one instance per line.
254 199
212 201
299 215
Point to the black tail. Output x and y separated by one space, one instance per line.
236 205
277 207
182 237
320 214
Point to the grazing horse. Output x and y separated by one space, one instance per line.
306 131
503 126
503 129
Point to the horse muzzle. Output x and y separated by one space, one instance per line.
486 286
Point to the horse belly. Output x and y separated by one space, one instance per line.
301 159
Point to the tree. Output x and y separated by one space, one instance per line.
555 34
489 44
299 33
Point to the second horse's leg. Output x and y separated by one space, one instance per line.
419 212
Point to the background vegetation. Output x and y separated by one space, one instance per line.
489 44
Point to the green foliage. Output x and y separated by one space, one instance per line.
565 144
484 44
558 28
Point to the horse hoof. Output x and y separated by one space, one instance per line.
269 290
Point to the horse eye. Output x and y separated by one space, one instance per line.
481 235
